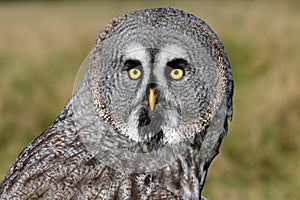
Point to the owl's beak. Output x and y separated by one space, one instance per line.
152 98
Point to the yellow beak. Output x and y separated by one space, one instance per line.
152 98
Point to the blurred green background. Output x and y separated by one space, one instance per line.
42 45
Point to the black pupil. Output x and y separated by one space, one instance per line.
135 72
176 72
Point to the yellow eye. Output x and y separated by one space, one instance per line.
134 73
176 74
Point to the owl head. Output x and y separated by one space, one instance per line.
159 77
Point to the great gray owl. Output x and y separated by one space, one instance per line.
146 121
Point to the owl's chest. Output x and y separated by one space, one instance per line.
177 181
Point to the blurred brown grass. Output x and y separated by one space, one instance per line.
43 44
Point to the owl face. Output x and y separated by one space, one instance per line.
157 84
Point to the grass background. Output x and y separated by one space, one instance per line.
42 45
